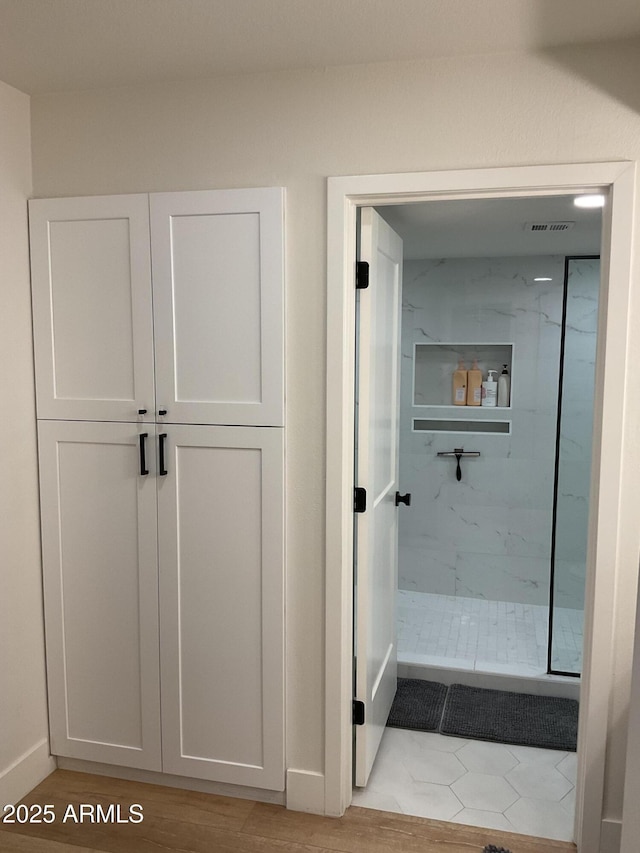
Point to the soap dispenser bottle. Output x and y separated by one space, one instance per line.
489 389
460 385
474 385
504 387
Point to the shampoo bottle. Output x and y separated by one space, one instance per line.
489 390
474 385
503 387
460 385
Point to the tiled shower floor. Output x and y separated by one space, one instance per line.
489 636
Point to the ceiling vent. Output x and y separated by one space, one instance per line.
548 227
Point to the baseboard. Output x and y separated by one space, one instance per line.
26 772
305 791
611 836
185 783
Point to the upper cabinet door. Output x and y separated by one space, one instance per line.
93 318
218 306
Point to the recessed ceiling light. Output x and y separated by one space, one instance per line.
589 201
543 278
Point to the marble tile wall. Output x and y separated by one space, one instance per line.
489 535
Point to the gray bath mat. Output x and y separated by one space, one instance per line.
418 705
519 718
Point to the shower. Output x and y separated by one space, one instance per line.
492 552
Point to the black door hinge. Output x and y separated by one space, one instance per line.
362 275
359 500
358 713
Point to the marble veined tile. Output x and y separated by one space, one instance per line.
523 579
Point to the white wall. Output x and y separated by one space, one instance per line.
24 749
295 129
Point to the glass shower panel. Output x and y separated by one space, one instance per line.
573 468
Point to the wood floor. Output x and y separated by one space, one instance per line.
191 822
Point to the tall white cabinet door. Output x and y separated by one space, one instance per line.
220 520
218 303
92 312
99 528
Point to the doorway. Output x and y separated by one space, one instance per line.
345 195
500 284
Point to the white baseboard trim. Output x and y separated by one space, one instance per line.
26 772
305 791
188 784
611 836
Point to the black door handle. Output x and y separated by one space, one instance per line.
143 453
403 499
161 440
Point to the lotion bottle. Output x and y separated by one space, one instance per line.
489 390
504 387
460 385
474 385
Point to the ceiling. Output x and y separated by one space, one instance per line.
62 45
493 228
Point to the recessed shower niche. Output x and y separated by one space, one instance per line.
433 366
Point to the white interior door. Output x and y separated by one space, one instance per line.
376 533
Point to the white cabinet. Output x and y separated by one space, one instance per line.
162 529
217 299
92 311
217 296
99 547
221 604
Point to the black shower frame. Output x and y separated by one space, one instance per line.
565 293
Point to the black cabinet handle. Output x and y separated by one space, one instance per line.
142 411
162 412
143 454
403 499
161 439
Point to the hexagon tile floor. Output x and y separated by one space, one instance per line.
515 788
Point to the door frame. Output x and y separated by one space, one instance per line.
610 544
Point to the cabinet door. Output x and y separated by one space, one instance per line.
218 304
220 514
99 529
92 314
